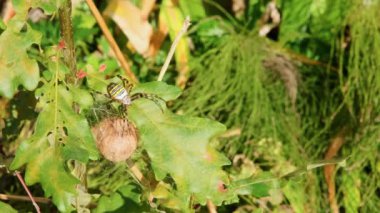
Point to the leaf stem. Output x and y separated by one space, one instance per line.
183 30
27 191
119 55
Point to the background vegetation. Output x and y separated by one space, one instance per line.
270 90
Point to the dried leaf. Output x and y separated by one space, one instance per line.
130 20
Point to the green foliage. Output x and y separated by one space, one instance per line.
125 199
230 81
7 208
16 68
22 7
179 146
238 91
61 134
295 14
351 191
193 8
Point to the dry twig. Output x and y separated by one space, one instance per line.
24 198
183 30
329 170
111 40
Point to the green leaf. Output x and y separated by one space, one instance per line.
7 208
2 25
48 6
126 199
16 68
82 97
60 134
179 146
163 90
262 185
258 187
193 8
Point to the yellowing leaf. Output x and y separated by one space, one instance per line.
179 146
129 18
60 134
16 68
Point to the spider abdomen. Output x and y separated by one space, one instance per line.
119 93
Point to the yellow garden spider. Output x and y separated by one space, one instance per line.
122 94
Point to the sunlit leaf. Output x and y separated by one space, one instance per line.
129 18
193 8
16 68
60 134
179 146
48 6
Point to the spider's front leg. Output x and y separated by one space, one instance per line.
156 99
127 85
109 98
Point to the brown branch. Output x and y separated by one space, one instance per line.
68 39
119 55
27 191
329 170
24 198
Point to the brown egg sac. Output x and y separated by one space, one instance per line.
116 138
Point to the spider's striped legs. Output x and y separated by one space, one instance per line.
123 110
156 99
127 85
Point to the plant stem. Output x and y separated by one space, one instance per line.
211 207
119 55
329 170
68 39
27 191
24 198
183 30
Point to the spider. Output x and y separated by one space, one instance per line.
122 94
